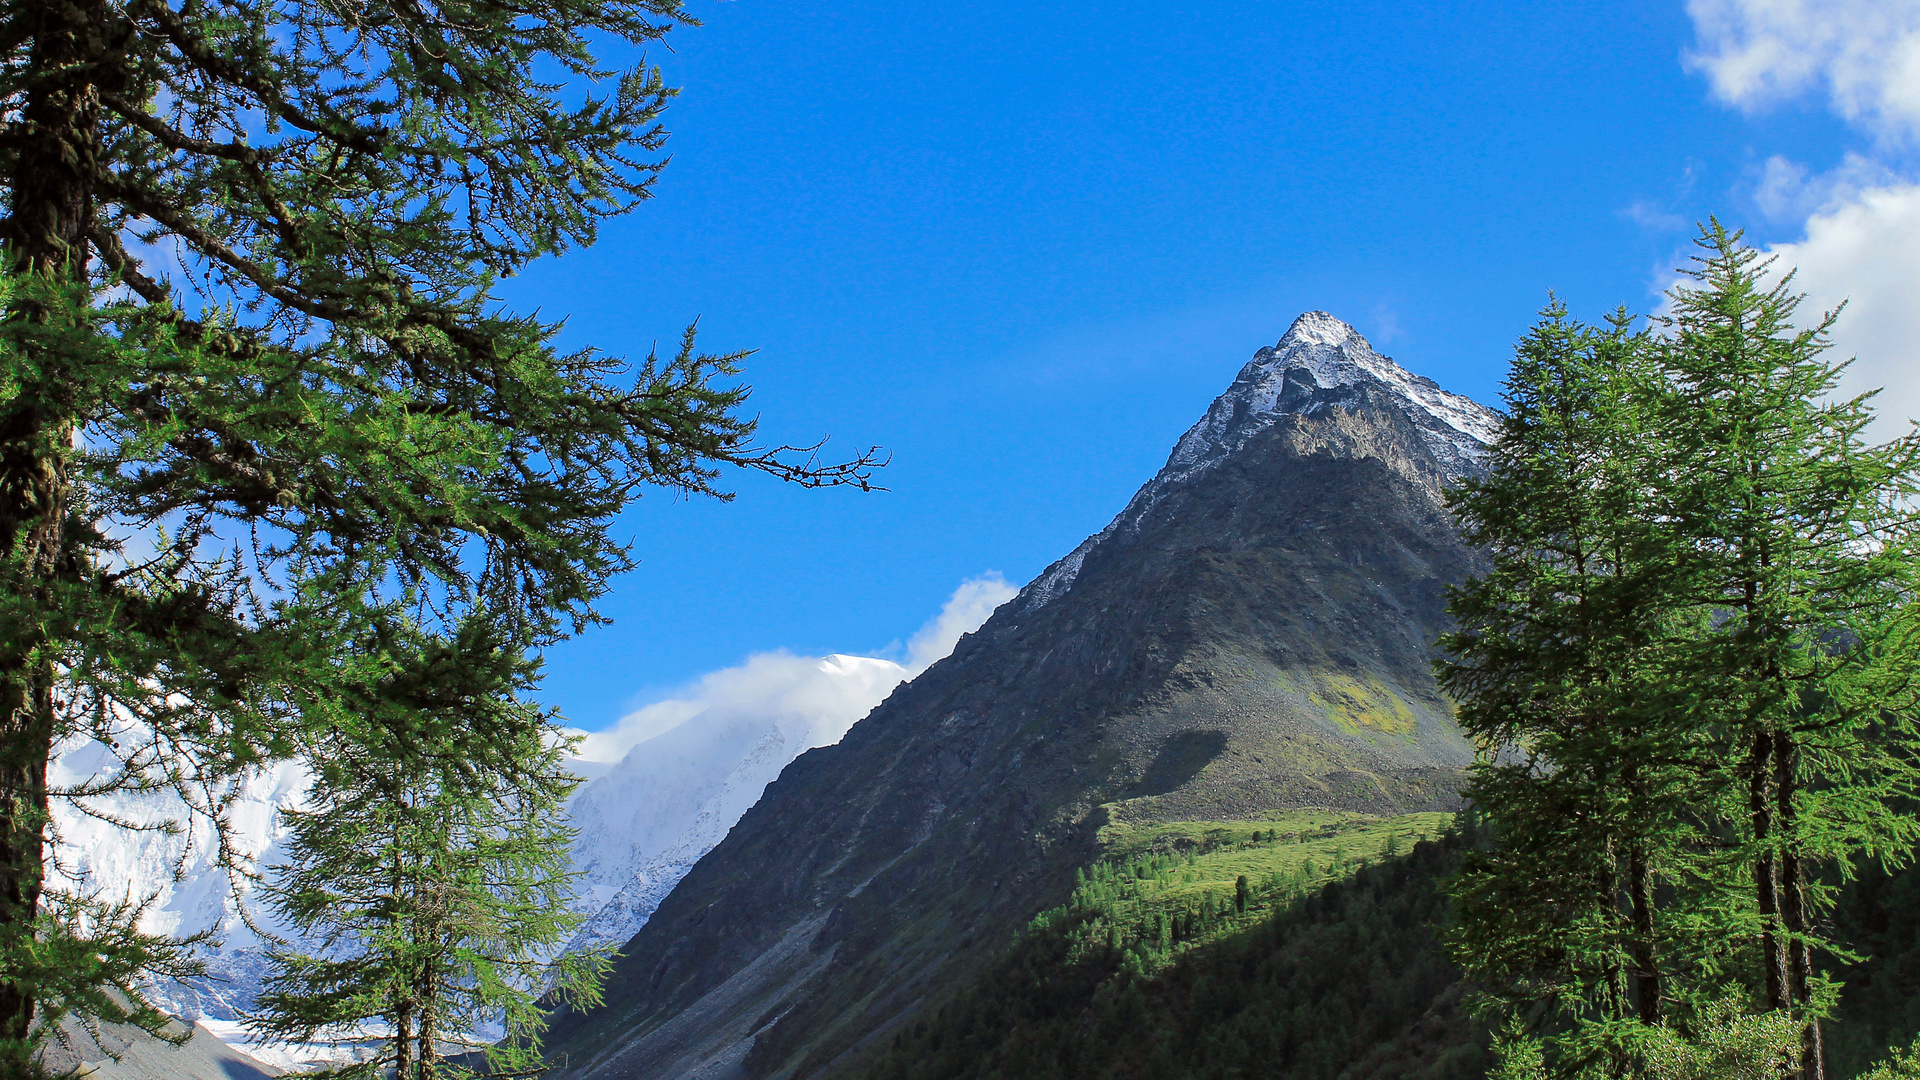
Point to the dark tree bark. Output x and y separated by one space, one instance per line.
44 234
403 993
1793 909
1646 973
1765 882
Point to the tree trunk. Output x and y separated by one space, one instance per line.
53 177
403 1034
1617 1002
1766 892
44 235
429 1007
403 980
1646 974
1793 911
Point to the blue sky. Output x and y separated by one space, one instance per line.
1021 247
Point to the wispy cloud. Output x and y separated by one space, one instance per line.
1386 324
1651 216
1788 191
817 696
963 613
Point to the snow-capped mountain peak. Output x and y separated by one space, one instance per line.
1319 328
1318 354
1321 362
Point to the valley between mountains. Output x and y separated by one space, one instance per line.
1183 807
1250 635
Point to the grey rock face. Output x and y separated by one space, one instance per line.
124 1052
1253 632
1318 364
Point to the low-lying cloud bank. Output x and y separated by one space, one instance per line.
828 692
672 779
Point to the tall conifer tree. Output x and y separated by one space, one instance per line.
1690 668
429 892
1799 538
1556 663
247 258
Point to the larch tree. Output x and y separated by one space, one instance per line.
1691 671
428 894
257 398
1557 662
1799 537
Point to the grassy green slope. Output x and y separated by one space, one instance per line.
1329 969
1165 890
1159 968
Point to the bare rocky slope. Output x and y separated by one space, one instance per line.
1253 632
125 1052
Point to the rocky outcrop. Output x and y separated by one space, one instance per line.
124 1052
1253 632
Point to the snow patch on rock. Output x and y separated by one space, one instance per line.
1319 353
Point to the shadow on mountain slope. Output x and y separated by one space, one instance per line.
1344 981
1253 633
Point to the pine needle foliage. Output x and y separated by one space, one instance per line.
1559 665
1691 671
257 399
427 893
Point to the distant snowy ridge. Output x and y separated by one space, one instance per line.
1318 353
673 797
179 874
666 785
642 823
675 794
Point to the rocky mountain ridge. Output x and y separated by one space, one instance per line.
1253 632
1318 363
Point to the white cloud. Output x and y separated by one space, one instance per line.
1788 191
1861 233
1865 54
1864 250
963 613
820 695
824 695
1650 216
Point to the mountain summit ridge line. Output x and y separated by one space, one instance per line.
1252 633
1333 356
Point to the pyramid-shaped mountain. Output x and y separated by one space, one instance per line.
1253 632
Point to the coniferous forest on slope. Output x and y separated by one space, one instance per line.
1340 979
